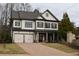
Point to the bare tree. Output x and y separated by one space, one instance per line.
1 8
5 31
6 8
28 7
4 14
2 18
22 7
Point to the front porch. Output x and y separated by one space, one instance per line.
46 37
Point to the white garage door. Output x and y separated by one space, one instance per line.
18 38
28 38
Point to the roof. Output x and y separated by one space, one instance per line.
29 15
25 15
52 14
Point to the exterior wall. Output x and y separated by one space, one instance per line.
50 17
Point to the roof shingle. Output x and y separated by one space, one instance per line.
25 15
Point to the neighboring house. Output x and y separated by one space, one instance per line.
77 32
70 37
28 27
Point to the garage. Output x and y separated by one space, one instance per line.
23 38
28 38
18 38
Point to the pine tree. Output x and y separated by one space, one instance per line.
65 26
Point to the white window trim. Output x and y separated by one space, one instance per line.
29 27
54 28
16 21
38 27
47 28
50 26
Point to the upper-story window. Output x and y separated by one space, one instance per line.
47 25
53 25
28 24
40 24
47 15
17 23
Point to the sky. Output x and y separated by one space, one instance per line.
59 8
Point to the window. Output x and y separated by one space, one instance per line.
17 23
53 25
40 24
28 24
47 15
47 25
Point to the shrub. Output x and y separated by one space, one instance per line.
5 36
75 44
8 38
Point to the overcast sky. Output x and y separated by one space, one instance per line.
59 8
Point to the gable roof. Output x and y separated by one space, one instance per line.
29 15
51 14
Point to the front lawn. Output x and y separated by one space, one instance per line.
11 49
61 47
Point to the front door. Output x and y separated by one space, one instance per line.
40 37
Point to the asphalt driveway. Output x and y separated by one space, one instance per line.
36 49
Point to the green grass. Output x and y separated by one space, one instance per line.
11 49
61 47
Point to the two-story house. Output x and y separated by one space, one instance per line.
28 27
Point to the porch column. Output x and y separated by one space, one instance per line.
43 38
34 37
57 37
53 36
37 37
46 37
